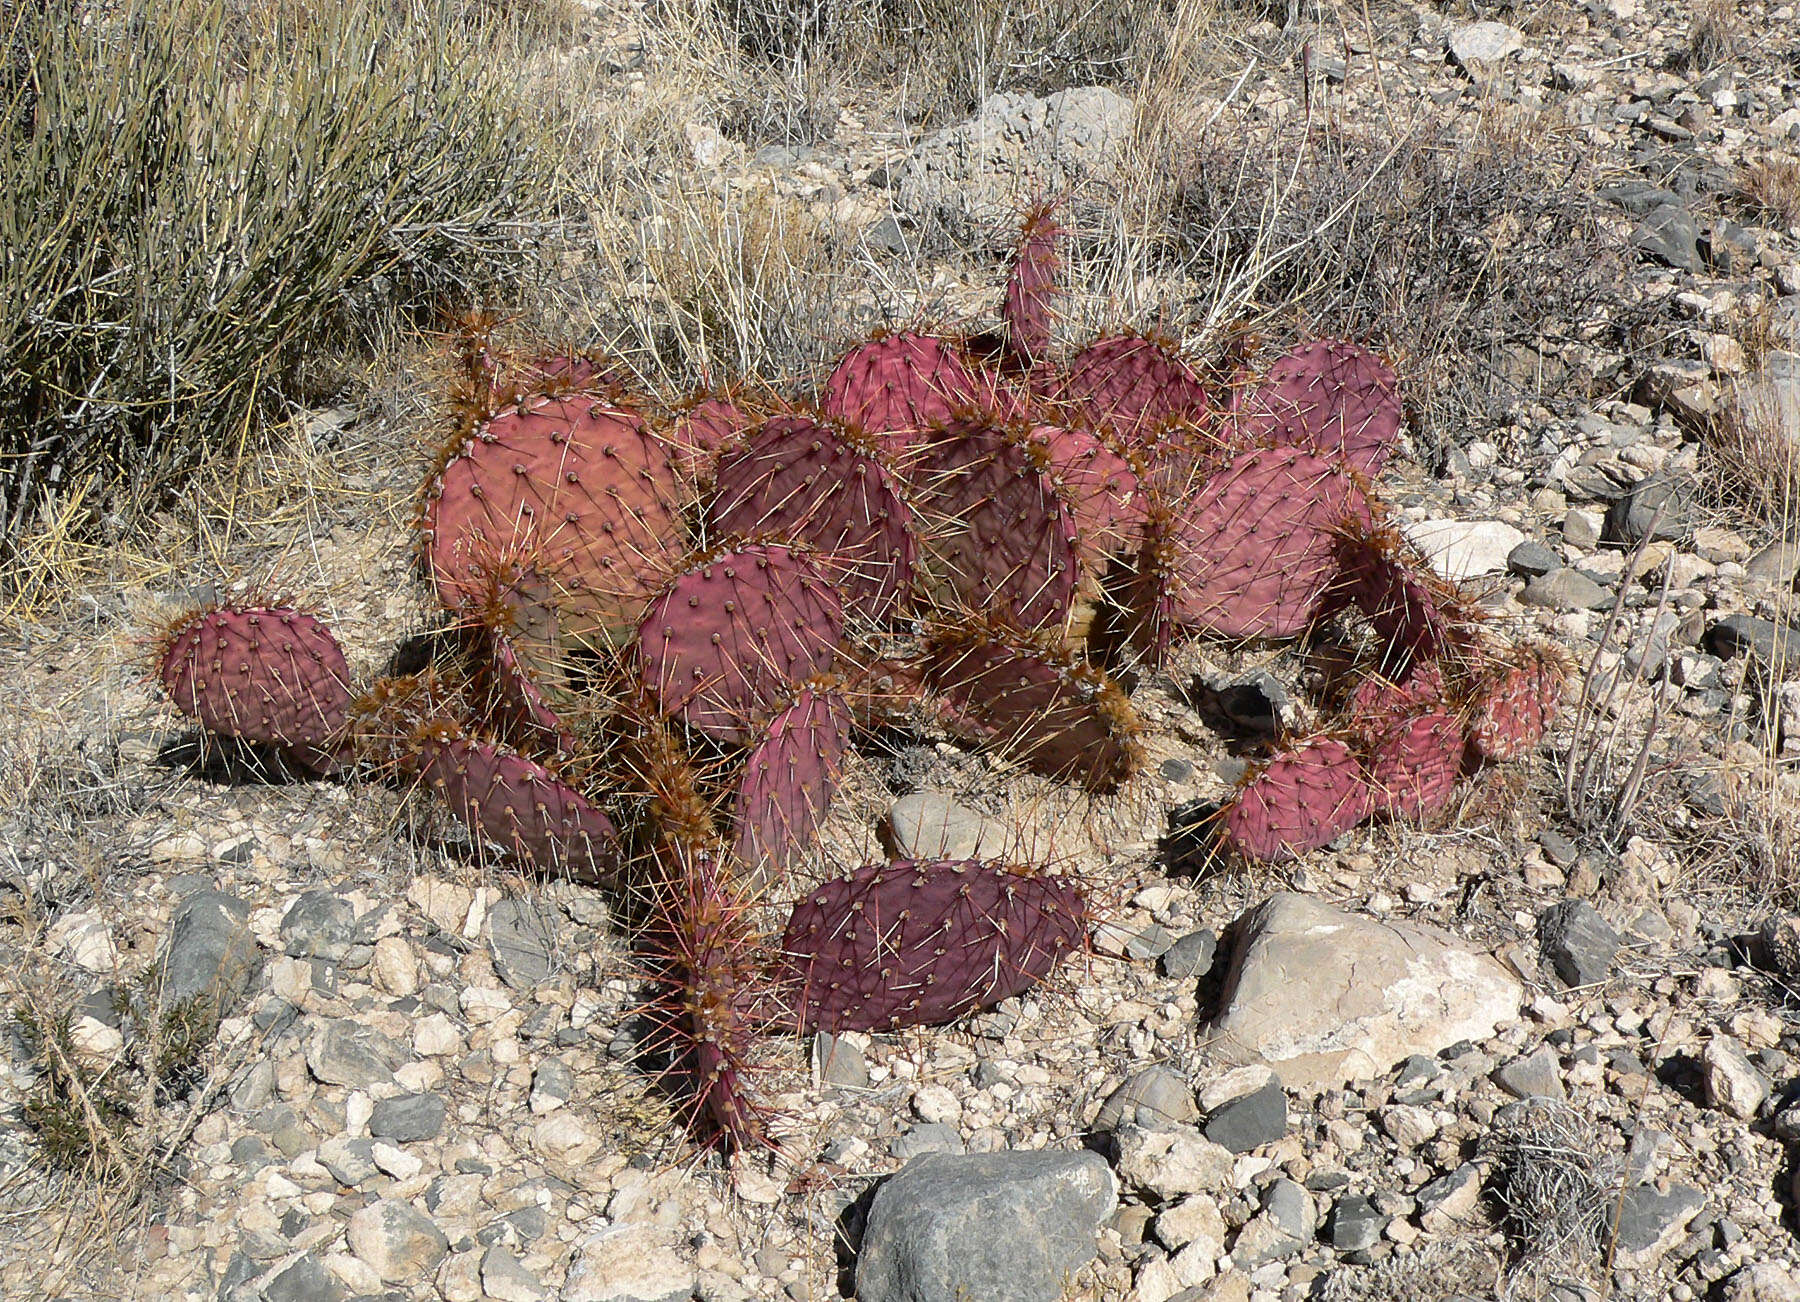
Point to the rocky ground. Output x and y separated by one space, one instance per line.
1543 1048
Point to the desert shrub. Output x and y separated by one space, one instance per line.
1483 264
194 205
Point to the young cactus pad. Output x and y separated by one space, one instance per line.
1301 799
518 803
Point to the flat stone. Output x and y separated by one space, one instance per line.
1251 1121
1651 1222
1765 1281
1155 1098
1170 1163
347 1052
1475 44
522 936
1670 235
1582 528
504 1279
306 1280
840 1062
1776 564
628 1263
1194 1220
210 953
351 1161
1284 1227
398 1241
1566 590
1355 1223
319 924
1331 997
1577 942
927 1137
929 825
1537 1074
1190 956
1662 506
1005 1227
1733 1084
1532 559
552 1085
408 1118
1464 549
1450 1200
1775 645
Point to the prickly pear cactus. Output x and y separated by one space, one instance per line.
263 674
525 808
809 481
1514 700
922 942
1330 398
577 488
903 386
1129 385
998 536
735 633
789 780
1032 288
1303 798
1036 702
1255 550
1415 763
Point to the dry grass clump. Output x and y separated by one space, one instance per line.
1770 186
1714 35
1479 262
1555 1182
204 198
940 58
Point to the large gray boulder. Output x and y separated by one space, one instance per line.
1003 1227
1331 997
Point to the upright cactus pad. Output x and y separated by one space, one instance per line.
516 703
263 674
1514 700
812 482
903 385
922 942
1129 385
524 807
1414 763
702 430
580 488
1255 549
1328 397
1055 714
1375 696
1032 288
716 984
735 633
1303 798
998 535
789 781
1101 485
1416 615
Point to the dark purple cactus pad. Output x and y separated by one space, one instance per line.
789 780
1328 397
735 634
1057 715
920 942
1514 700
1099 482
1256 549
270 675
1303 798
524 807
1414 764
576 488
1032 288
904 385
1129 385
811 482
996 531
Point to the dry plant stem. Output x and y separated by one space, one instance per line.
1579 781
